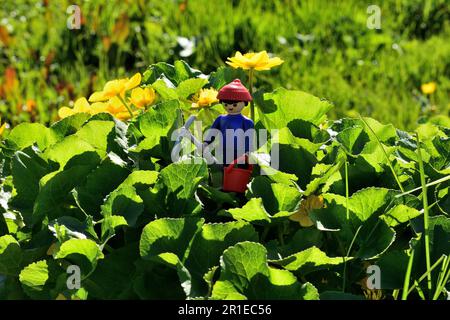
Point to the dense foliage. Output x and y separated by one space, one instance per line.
329 50
103 194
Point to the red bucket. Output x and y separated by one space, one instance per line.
236 179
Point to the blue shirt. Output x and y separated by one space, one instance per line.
233 122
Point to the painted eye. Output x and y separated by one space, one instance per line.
234 104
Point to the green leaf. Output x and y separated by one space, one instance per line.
283 107
189 87
353 139
35 275
97 133
176 73
393 269
246 274
242 262
252 211
184 275
140 179
181 181
69 125
400 214
99 183
164 91
156 281
10 255
365 209
112 278
385 133
157 123
209 244
225 290
303 239
125 202
26 134
63 151
308 260
276 197
297 160
168 235
183 178
224 75
82 252
110 223
55 187
27 168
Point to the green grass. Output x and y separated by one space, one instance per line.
327 47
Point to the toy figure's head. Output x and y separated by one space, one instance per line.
234 97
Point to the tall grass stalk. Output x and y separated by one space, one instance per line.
344 276
408 276
250 89
425 214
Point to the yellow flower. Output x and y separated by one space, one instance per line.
428 88
258 61
142 97
116 87
307 205
98 107
2 127
115 107
205 98
81 105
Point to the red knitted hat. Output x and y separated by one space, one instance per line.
234 91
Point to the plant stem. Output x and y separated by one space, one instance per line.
250 89
395 294
385 154
408 276
443 278
126 105
428 185
346 256
346 189
425 274
425 213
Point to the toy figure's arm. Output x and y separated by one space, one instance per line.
209 138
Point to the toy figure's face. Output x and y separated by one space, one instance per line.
234 107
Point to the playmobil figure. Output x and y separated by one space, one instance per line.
236 134
237 131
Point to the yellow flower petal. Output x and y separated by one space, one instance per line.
307 205
302 218
206 97
99 107
98 96
64 112
142 97
258 61
114 87
133 82
81 105
428 88
2 128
